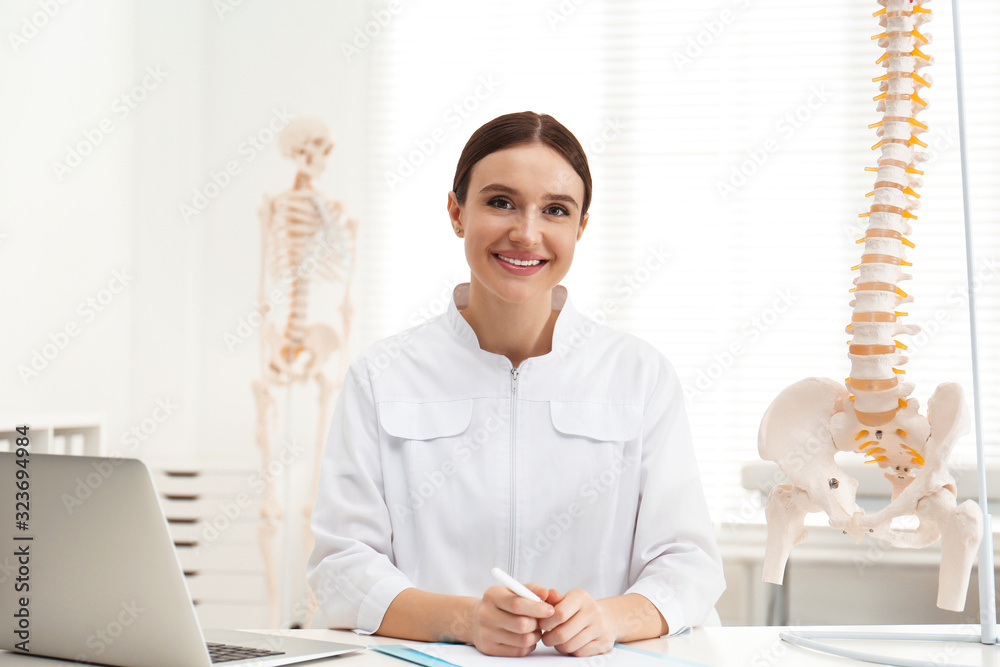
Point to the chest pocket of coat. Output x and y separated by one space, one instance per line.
427 447
596 448
427 420
593 437
596 421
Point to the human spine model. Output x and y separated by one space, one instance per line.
305 240
872 413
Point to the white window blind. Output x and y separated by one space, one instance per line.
730 137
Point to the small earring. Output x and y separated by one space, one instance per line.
458 230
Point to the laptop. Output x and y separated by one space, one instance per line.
88 572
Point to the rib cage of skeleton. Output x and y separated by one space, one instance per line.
872 412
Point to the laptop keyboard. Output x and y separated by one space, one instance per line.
228 652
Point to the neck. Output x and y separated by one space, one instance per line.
515 330
302 182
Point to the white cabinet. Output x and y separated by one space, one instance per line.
77 433
214 514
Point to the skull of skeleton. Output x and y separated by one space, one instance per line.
307 141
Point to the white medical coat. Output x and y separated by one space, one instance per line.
574 470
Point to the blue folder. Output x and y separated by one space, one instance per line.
425 660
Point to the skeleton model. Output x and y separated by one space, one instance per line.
305 241
815 418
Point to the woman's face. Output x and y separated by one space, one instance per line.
521 221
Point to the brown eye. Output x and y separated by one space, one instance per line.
501 203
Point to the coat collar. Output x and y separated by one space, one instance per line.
567 322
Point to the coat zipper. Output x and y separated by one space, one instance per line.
513 469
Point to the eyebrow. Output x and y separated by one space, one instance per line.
548 196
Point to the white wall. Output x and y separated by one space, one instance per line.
212 78
65 232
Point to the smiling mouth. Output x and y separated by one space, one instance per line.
521 262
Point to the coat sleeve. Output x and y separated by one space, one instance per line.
675 560
351 569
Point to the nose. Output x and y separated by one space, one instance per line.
526 228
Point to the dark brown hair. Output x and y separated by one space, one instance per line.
525 127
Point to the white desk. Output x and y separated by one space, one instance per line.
717 647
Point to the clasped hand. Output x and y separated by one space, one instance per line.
509 625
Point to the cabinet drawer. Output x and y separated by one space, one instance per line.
221 482
216 557
232 616
213 531
226 588
239 507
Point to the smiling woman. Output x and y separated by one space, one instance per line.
531 190
490 440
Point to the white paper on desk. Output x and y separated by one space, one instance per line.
464 655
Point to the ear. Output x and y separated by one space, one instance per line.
583 225
454 211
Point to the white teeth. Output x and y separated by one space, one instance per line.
520 262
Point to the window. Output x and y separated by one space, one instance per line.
729 138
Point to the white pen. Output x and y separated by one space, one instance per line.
514 585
